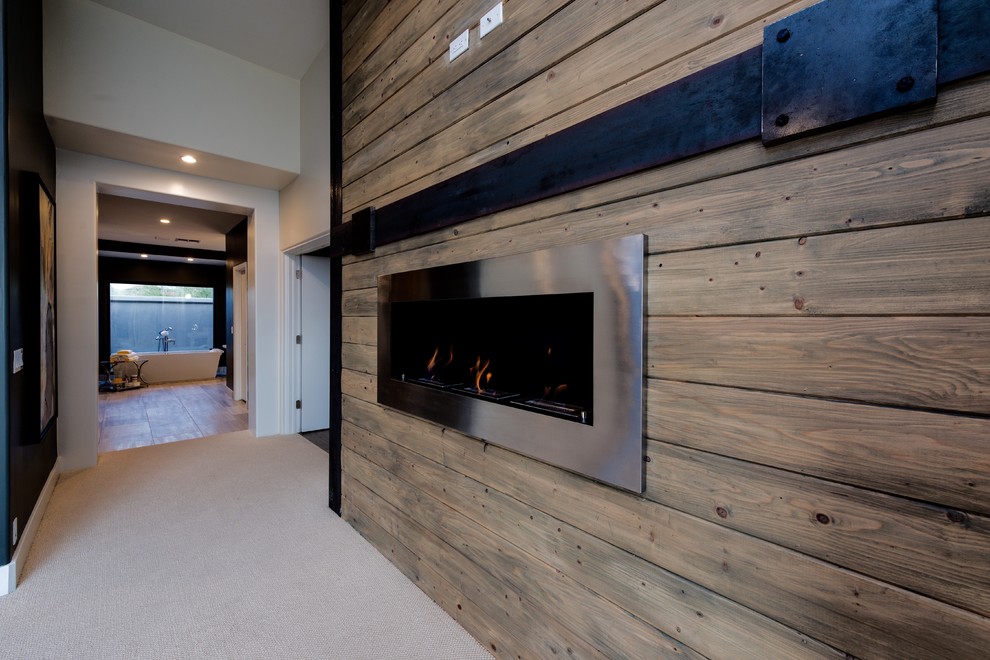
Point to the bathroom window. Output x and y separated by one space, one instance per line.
148 318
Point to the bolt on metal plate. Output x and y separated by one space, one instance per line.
842 60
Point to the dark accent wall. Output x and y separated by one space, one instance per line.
236 255
135 271
29 159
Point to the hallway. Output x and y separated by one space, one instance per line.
219 547
168 412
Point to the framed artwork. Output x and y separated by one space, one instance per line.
47 368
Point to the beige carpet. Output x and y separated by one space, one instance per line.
219 547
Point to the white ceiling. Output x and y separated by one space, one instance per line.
281 35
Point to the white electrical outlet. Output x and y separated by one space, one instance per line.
13 532
491 20
459 44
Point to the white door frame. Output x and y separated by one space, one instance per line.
239 352
292 326
291 358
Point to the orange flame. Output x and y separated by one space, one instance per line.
433 361
451 358
478 370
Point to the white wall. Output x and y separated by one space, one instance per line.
108 70
304 205
78 177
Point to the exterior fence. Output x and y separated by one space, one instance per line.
135 322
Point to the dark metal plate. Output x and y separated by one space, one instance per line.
963 39
841 60
363 231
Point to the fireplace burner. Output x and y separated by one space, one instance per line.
540 353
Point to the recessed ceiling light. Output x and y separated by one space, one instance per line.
164 221
189 259
189 159
144 256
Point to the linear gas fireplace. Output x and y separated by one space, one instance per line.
540 353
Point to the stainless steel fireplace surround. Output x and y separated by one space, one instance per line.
603 437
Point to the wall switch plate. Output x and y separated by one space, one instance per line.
13 532
491 20
459 44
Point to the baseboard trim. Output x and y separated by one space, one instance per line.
10 573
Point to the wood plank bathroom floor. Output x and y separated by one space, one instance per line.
168 412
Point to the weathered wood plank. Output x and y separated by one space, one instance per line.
934 268
865 186
867 446
363 302
454 91
369 416
943 553
930 362
360 330
860 615
359 385
409 37
405 153
358 357
453 600
527 623
349 10
363 15
421 70
599 622
358 46
707 622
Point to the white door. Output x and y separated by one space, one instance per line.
314 368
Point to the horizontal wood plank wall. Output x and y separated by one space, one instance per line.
817 359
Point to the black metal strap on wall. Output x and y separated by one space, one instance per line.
892 54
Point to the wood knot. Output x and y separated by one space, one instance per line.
716 21
823 518
722 512
799 303
957 517
802 240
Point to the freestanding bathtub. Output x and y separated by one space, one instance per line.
180 365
